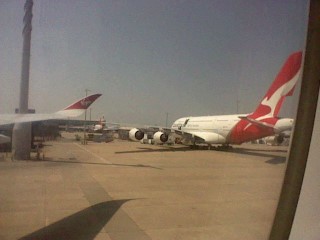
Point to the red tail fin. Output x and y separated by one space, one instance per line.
79 107
84 103
281 87
260 123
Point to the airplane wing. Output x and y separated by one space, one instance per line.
199 137
162 134
73 110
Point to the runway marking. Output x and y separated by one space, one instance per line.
93 154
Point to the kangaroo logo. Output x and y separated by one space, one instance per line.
282 91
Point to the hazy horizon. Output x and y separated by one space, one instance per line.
149 58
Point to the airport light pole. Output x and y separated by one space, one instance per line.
85 121
167 114
238 105
21 134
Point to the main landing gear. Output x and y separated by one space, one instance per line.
223 147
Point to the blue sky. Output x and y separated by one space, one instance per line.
148 58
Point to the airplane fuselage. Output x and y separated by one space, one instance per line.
225 129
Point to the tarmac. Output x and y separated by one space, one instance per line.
127 190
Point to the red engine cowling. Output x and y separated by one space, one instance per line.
275 140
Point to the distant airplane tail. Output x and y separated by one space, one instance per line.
73 110
78 108
282 86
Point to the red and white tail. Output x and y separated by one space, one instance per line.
73 110
282 86
264 121
78 108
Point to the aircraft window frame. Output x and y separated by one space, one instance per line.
303 129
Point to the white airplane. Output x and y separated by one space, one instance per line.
73 110
237 128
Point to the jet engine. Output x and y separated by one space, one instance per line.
279 139
136 134
160 137
275 140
